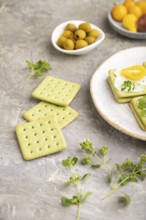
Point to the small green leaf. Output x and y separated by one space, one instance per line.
73 201
117 166
38 73
142 158
74 179
85 176
66 162
87 146
127 164
97 166
65 201
103 151
125 200
142 175
86 160
69 162
74 161
133 178
31 65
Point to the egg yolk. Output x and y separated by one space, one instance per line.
134 72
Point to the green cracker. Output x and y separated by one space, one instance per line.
122 97
64 115
56 91
137 113
40 138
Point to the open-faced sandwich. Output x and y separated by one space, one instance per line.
138 106
128 82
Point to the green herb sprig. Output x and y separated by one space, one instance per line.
76 180
38 68
96 159
127 86
124 173
119 175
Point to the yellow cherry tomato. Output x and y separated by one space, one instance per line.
142 5
118 12
129 3
136 10
134 72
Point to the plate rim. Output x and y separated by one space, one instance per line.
124 32
105 117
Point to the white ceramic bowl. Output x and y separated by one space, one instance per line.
117 26
59 30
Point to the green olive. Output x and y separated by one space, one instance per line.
93 33
67 34
80 44
71 27
90 40
80 34
60 41
68 44
79 37
85 26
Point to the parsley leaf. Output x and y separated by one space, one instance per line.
103 151
87 146
127 86
125 173
120 174
38 68
99 156
73 201
76 199
75 180
70 162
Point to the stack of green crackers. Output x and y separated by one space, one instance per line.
138 106
122 96
127 91
42 134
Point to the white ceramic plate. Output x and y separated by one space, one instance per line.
118 115
59 30
117 26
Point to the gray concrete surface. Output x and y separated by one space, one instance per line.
32 190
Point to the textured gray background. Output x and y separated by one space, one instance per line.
32 190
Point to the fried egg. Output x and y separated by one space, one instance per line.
131 72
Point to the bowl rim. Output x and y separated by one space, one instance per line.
77 51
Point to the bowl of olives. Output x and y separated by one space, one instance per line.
77 37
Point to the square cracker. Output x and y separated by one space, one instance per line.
56 91
64 115
137 112
40 138
122 96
